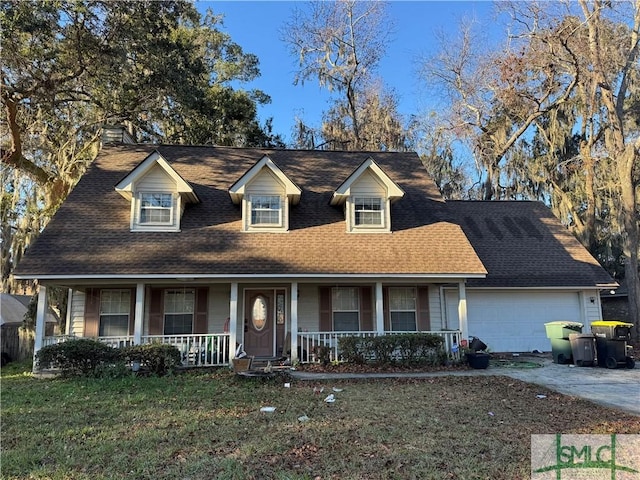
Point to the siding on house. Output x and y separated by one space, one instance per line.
156 180
435 308
265 183
77 314
591 310
368 184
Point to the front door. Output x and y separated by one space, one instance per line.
258 323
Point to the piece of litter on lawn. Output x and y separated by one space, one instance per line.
287 385
337 389
571 365
303 418
491 413
515 354
317 390
541 396
330 398
268 409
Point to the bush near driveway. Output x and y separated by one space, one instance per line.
402 348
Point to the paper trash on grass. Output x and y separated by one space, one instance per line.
337 389
541 396
268 409
287 385
330 398
303 418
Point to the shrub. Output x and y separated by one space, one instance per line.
80 357
381 348
159 358
405 348
351 349
323 354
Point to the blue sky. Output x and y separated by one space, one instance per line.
256 25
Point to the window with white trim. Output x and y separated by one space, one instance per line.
178 311
266 210
368 212
155 208
115 308
345 303
402 309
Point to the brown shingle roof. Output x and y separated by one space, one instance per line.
523 245
89 235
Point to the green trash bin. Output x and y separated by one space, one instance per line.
558 332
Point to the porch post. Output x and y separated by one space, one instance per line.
294 322
462 310
233 319
67 326
41 314
379 310
138 318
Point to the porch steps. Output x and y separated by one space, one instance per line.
259 363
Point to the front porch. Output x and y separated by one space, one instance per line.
207 322
212 350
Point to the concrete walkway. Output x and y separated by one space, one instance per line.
619 388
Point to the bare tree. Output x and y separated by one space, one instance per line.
556 110
339 44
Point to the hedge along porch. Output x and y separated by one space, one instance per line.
204 321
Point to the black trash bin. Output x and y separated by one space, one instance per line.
558 332
611 343
583 348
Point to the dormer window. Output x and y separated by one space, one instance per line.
367 195
368 212
156 208
266 210
266 195
157 194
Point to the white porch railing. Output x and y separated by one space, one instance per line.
206 350
309 341
46 341
197 350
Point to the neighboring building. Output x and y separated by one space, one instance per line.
615 303
206 247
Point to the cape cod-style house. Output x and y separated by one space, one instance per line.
283 250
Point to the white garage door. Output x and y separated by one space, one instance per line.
513 321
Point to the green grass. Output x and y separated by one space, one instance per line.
207 425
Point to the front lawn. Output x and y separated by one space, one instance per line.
208 425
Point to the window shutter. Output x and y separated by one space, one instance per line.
326 314
132 310
385 309
156 311
200 320
92 312
366 310
424 322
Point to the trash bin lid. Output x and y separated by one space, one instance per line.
611 323
565 323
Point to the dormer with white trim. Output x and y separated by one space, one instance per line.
266 194
158 195
367 195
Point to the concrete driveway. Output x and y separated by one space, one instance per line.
619 388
